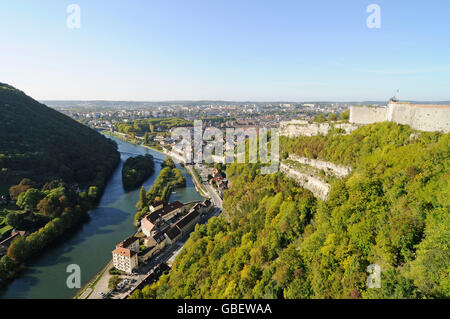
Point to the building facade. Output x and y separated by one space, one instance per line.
149 222
125 260
125 256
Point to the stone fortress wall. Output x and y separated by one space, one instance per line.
367 115
296 128
420 117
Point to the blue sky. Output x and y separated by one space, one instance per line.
232 50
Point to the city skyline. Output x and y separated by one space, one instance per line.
252 51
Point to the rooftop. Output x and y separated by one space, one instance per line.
187 219
152 217
124 252
127 242
173 232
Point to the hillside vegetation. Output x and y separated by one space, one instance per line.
53 170
275 240
42 144
136 170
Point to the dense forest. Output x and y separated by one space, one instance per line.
168 179
275 240
136 170
44 214
53 169
42 144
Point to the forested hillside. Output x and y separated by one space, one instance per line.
40 143
275 240
52 169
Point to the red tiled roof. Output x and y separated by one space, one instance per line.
124 252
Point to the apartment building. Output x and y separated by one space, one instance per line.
125 260
125 256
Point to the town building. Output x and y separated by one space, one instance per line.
185 225
125 260
151 220
172 234
125 256
154 245
156 205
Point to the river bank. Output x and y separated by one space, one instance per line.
90 247
198 184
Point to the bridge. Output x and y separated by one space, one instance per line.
155 159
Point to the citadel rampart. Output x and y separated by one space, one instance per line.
296 128
367 115
420 117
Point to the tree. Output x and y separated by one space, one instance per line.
113 282
332 116
93 192
320 118
18 250
7 267
29 199
345 115
14 220
46 207
168 162
16 190
142 199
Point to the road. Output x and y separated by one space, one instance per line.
213 194
198 184
205 186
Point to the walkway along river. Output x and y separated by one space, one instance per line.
90 245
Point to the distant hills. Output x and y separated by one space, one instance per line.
40 143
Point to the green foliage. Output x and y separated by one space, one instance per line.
345 115
46 151
114 280
42 144
68 209
168 179
16 190
142 199
93 192
275 240
168 162
151 126
29 199
136 170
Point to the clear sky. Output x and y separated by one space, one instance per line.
225 49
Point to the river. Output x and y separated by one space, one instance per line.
90 245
